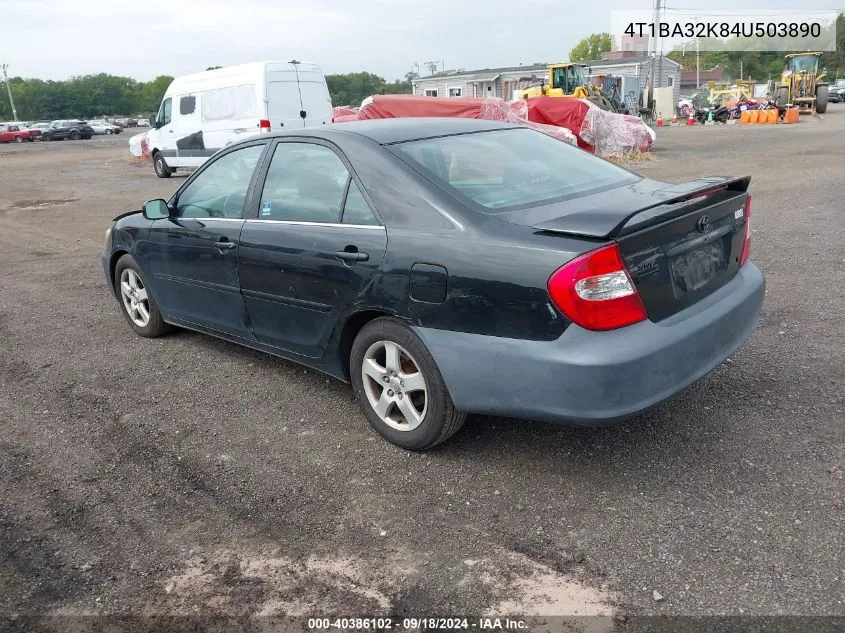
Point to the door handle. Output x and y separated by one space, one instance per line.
225 245
352 256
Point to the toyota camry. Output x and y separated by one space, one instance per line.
449 266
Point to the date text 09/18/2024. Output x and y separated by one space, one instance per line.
430 623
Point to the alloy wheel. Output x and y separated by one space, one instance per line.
394 385
135 298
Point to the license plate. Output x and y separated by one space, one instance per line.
694 269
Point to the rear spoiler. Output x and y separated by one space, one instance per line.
662 204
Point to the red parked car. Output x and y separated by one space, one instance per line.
9 133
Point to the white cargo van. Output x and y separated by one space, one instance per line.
204 112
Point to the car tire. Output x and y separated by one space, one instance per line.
136 302
19 139
75 135
821 99
387 358
160 166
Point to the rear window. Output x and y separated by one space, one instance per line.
504 170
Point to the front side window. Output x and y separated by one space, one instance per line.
220 190
502 170
305 183
166 112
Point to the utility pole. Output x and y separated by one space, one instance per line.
656 21
9 90
697 80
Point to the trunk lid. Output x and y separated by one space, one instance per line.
679 242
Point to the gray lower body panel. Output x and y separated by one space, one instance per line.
595 378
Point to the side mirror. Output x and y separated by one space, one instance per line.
156 209
152 120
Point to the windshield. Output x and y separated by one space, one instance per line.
508 169
568 78
803 63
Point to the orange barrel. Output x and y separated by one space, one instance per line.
772 115
794 115
744 116
753 116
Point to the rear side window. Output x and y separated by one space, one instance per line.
187 105
355 209
501 170
232 102
305 183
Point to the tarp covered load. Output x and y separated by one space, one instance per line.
343 113
401 106
138 145
605 133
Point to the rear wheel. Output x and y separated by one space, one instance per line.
75 135
160 166
399 387
109 132
19 139
822 93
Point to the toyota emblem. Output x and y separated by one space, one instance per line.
703 224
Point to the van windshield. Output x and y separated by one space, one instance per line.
502 170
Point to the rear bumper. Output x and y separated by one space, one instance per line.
596 378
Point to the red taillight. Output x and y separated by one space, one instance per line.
745 253
595 291
264 124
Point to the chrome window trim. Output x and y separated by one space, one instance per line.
305 223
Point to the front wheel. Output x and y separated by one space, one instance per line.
19 139
160 166
399 387
822 93
138 305
109 132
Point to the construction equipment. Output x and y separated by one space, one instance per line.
801 84
564 80
570 80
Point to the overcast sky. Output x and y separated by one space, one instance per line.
55 39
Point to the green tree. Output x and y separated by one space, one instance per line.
591 47
151 93
352 88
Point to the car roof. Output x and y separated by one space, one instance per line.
386 131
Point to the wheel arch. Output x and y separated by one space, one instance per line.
354 324
113 266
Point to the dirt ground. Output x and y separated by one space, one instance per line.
185 475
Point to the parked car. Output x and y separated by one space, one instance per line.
103 127
235 102
35 130
72 129
446 266
13 133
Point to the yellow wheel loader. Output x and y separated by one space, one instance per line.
564 80
801 84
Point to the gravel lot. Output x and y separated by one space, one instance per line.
186 475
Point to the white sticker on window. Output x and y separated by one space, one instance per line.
266 207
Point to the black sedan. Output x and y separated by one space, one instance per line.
446 267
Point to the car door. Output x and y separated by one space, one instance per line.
192 256
309 248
